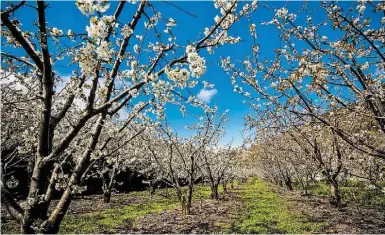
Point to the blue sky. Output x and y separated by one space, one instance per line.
65 15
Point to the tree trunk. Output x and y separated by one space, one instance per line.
152 191
214 191
189 197
224 184
52 224
108 184
106 192
37 209
335 196
107 196
37 212
305 186
178 192
289 183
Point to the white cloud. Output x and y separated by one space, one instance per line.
12 81
207 95
123 114
60 85
378 71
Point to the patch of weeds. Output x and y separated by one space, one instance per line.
266 212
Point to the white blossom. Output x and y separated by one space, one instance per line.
97 29
324 38
282 13
56 32
196 63
103 51
171 22
136 49
126 31
361 8
88 7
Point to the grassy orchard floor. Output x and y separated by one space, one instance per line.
262 211
267 212
255 207
110 220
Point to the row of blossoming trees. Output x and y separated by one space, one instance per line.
109 114
319 104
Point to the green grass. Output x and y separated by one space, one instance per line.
266 212
320 188
108 220
204 191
